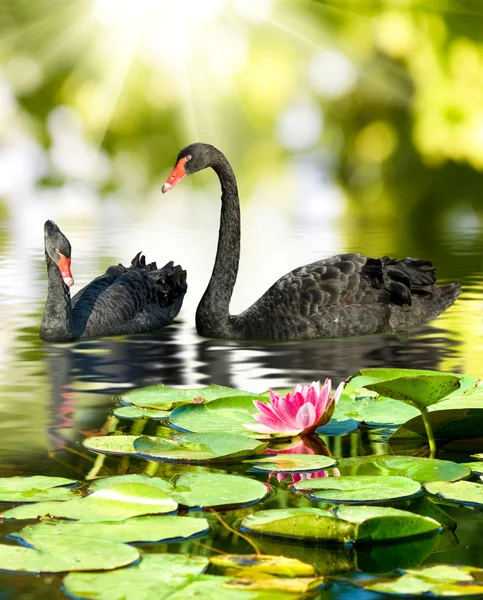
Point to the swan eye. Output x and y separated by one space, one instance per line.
189 157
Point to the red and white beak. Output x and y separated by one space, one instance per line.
177 174
64 268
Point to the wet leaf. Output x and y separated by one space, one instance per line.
454 424
338 427
209 587
34 489
135 412
216 489
258 563
105 482
389 373
197 447
461 492
167 397
291 463
144 581
359 490
475 467
419 469
54 554
374 411
111 444
110 504
438 580
226 415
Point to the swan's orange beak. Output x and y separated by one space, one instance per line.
177 174
64 267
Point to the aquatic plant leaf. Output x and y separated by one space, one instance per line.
475 467
244 564
381 523
359 490
109 504
156 576
111 444
35 489
460 492
228 415
105 482
197 447
55 554
217 489
338 427
420 391
414 467
209 587
136 529
135 412
388 373
298 585
374 411
300 523
291 463
168 397
438 580
447 425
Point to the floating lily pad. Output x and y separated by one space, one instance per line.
135 412
374 411
475 467
167 397
454 424
378 523
359 490
110 504
197 447
54 554
258 563
461 492
216 489
111 444
338 427
300 523
227 415
438 580
419 469
291 463
35 489
136 529
156 576
105 482
384 374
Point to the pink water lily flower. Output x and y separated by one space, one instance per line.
301 411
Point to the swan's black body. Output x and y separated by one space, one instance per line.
124 300
340 296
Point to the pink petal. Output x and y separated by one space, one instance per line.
336 472
259 428
338 392
324 398
306 416
287 411
267 414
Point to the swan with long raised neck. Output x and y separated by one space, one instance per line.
344 295
124 300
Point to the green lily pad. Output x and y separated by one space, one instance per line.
378 523
374 411
110 504
338 427
156 576
34 489
135 412
167 398
420 391
111 444
105 482
55 554
454 424
239 564
475 467
359 490
197 447
461 492
419 469
291 463
136 529
438 580
388 373
300 523
217 489
227 415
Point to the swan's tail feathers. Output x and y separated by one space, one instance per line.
170 283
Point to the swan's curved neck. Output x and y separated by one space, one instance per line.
213 314
57 320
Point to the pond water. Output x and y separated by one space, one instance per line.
52 396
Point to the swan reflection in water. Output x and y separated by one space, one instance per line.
85 376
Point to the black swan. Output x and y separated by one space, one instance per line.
340 296
124 300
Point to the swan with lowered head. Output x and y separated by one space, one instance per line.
344 295
124 300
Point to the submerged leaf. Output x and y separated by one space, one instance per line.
259 563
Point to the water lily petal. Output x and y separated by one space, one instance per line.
324 398
306 416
